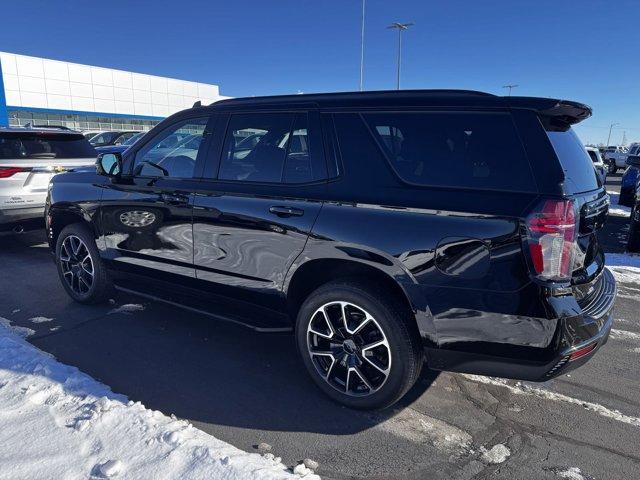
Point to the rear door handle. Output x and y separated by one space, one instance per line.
175 199
283 211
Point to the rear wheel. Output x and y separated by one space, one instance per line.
358 344
611 167
80 267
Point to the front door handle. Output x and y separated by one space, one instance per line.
283 211
175 199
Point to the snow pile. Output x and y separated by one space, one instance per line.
497 454
523 389
60 423
22 331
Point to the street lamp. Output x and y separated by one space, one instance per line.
611 128
362 49
400 27
510 87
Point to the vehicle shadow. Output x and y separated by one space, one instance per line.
208 371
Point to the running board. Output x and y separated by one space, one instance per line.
204 312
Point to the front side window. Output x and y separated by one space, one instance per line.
466 150
270 147
173 152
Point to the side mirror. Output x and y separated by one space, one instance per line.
109 164
633 160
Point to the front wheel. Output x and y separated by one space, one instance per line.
359 346
80 267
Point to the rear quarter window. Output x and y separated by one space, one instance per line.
473 150
579 174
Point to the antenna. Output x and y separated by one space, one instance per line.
510 87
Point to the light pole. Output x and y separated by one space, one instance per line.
400 27
510 87
611 128
362 49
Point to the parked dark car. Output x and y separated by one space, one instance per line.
633 244
628 185
121 147
111 138
384 228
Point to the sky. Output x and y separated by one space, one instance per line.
585 50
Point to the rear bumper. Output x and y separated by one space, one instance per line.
27 218
579 334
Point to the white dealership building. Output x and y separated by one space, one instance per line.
84 97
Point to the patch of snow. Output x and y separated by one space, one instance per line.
624 260
572 473
22 331
127 309
60 423
420 428
497 454
40 319
520 388
624 334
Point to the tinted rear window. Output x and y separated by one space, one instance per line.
467 150
43 146
579 173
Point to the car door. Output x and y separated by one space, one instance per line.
258 202
146 216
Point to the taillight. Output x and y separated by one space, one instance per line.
583 351
552 239
6 172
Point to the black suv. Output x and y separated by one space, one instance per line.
384 228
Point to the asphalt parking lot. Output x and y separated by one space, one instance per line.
245 388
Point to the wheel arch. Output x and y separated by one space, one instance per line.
306 276
60 217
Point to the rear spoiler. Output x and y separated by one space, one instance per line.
557 112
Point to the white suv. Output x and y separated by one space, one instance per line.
29 157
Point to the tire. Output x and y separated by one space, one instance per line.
74 266
611 167
375 318
633 243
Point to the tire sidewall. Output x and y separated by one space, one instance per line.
83 233
402 361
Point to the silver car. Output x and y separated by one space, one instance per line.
29 157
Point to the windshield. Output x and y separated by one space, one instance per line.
133 139
579 173
34 145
